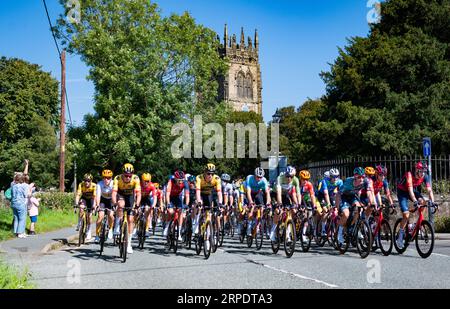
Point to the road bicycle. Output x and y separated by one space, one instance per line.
172 236
285 232
141 227
205 238
186 229
381 230
122 239
104 229
83 227
421 232
257 231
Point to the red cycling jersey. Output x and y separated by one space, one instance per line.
409 181
145 191
176 189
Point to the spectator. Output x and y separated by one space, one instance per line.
33 212
20 191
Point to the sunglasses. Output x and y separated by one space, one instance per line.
209 174
289 176
107 178
127 176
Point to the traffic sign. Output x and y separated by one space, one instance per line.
426 145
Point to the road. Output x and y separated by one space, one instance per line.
236 266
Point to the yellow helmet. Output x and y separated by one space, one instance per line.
107 173
87 177
210 168
128 168
146 177
370 171
305 175
156 185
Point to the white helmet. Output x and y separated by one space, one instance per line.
326 174
259 172
334 172
290 171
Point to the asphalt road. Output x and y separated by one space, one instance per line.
236 266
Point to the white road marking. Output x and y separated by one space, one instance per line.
289 273
438 254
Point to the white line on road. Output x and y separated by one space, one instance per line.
288 272
438 254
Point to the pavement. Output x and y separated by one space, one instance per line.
233 266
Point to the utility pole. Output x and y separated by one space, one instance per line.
62 139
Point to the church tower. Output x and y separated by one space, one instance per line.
241 86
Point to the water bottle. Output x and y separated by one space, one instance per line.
411 227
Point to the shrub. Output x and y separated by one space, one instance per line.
56 200
442 225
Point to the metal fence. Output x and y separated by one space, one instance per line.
397 166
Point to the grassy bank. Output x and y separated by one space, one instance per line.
55 212
12 278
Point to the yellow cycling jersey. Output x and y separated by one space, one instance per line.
126 188
87 192
207 187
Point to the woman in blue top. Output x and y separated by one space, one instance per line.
20 192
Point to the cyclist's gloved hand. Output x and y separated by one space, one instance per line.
416 203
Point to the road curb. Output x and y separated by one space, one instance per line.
58 244
443 236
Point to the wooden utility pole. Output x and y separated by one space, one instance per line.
62 139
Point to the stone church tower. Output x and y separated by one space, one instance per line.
241 86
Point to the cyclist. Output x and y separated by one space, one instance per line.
126 195
286 195
85 198
204 185
103 200
308 198
348 199
176 189
379 183
228 196
148 200
409 187
258 193
159 201
367 193
326 193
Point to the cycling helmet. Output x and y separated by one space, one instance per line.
128 168
421 166
290 171
259 172
210 168
326 174
225 177
146 177
358 171
334 172
381 170
156 185
87 177
369 171
107 173
191 178
305 175
179 175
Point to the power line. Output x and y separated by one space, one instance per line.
59 53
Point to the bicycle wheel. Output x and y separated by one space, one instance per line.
81 233
395 237
425 240
259 238
176 233
363 239
384 238
188 232
342 248
276 244
250 238
124 242
319 239
305 235
208 240
215 236
222 231
331 228
243 231
141 232
154 221
289 239
102 235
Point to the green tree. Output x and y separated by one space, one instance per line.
28 122
149 72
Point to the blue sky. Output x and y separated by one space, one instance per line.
298 38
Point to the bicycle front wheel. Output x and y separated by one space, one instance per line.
176 233
124 242
305 235
289 238
259 238
385 239
208 240
276 244
102 236
364 239
396 233
425 240
81 233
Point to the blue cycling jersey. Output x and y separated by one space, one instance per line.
326 184
348 188
255 185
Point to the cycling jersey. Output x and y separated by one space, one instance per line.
177 189
287 186
326 184
379 185
367 186
87 193
307 191
103 190
348 188
408 181
256 186
206 187
146 190
126 188
227 188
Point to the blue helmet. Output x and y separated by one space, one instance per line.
359 171
290 170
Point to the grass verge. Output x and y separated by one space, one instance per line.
12 278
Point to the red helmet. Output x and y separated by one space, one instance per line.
179 174
421 166
381 170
